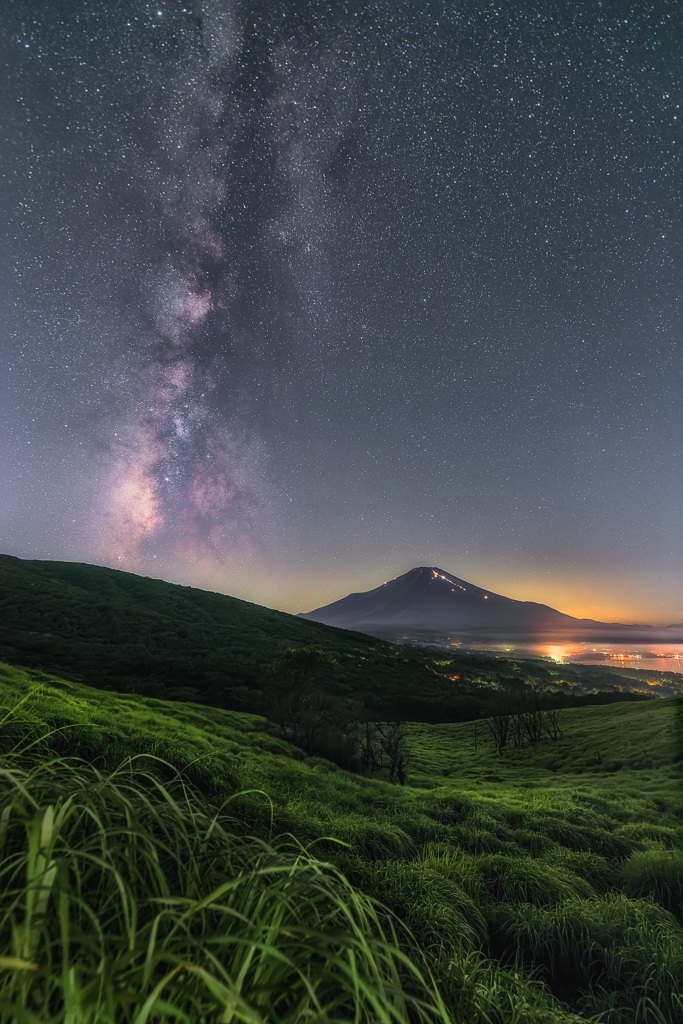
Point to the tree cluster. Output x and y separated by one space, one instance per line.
384 745
526 718
308 715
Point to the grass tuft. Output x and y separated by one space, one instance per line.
137 888
628 949
129 898
657 873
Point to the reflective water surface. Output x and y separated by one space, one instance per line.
662 657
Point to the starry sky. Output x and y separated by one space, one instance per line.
299 294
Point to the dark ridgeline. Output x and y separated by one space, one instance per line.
430 601
115 630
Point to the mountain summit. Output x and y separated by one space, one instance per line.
430 600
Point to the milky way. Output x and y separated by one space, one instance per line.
186 482
299 295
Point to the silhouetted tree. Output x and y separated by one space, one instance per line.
298 703
500 728
395 749
524 715
304 710
369 746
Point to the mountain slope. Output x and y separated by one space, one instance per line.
115 630
429 600
106 626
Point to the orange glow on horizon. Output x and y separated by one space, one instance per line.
296 589
294 596
584 596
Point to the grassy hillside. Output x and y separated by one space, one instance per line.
543 885
115 630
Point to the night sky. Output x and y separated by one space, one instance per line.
297 296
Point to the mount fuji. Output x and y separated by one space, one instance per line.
429 600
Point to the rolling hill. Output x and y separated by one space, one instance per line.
115 630
542 886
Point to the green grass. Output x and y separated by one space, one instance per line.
127 899
591 946
596 741
658 873
540 885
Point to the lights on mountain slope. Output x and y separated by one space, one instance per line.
452 583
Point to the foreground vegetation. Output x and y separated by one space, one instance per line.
538 885
126 898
